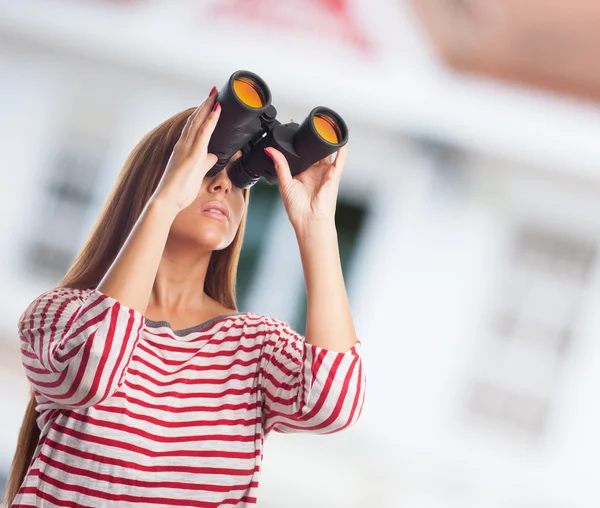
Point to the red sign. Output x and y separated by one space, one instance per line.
550 43
325 18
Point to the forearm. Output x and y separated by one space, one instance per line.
131 276
329 320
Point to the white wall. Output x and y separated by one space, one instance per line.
431 259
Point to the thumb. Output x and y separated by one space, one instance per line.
282 168
211 160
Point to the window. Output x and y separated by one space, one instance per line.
532 328
263 200
64 200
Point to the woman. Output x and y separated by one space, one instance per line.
149 388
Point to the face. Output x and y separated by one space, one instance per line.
214 217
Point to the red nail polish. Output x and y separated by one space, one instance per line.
268 153
217 104
212 91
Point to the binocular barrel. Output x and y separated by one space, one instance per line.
243 100
248 122
319 135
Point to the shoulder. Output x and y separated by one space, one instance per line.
61 294
57 295
58 301
269 327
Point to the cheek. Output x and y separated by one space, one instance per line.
182 222
237 207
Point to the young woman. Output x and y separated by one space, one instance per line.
148 387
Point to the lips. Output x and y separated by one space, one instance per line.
216 209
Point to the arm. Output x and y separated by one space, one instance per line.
329 320
307 388
315 383
131 276
310 201
76 344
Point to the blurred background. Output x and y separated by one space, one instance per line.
469 218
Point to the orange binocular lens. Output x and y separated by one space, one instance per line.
248 92
327 128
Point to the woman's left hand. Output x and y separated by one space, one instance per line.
310 197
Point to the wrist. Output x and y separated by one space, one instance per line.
163 207
320 256
317 241
315 230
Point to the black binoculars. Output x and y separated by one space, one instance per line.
248 123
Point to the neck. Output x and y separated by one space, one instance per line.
179 282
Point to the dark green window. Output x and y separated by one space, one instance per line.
263 202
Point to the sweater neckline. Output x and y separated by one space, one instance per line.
196 328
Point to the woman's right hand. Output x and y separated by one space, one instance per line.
190 160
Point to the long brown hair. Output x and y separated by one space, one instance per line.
133 188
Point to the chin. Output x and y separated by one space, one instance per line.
206 234
213 240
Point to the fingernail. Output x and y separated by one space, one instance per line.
268 153
212 91
217 104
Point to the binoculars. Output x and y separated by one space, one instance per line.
248 123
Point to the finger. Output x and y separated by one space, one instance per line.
211 159
330 174
193 117
191 121
325 161
334 173
186 127
340 160
282 168
205 131
201 116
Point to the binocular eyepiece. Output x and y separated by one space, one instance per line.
248 122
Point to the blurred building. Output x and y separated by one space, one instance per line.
469 219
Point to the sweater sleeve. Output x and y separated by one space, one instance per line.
76 345
306 388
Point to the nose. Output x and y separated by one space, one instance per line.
220 183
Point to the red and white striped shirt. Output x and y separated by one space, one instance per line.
134 413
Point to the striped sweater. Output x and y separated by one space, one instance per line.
133 413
